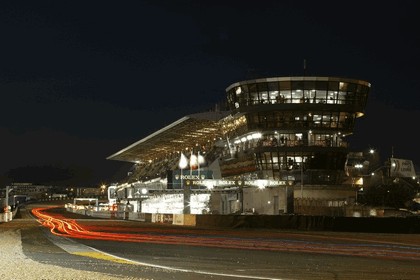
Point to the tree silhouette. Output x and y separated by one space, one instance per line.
396 194
50 175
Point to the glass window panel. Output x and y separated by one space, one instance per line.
365 89
254 97
262 87
286 95
332 97
297 85
309 95
341 97
285 85
351 87
297 96
321 85
273 91
263 92
309 85
321 96
252 88
343 86
273 86
332 86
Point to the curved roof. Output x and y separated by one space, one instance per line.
309 78
179 135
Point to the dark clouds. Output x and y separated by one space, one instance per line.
81 80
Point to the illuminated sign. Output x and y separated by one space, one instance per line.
191 175
402 168
239 183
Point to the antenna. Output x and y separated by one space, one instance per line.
304 67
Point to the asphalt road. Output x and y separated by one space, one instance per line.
190 253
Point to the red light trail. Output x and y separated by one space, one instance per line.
288 242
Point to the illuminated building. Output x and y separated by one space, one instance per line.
303 124
280 138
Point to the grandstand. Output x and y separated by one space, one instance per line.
280 139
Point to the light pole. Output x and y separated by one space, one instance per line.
358 167
8 216
301 177
183 163
201 160
8 189
193 161
141 195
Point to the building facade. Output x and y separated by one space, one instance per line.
295 127
280 138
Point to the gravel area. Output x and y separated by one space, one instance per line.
15 265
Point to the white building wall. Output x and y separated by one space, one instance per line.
268 201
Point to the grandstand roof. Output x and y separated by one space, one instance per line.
182 134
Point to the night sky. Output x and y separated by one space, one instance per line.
81 80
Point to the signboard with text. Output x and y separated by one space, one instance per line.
401 168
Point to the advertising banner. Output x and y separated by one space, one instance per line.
402 168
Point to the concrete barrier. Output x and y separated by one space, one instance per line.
6 217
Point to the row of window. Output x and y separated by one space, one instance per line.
289 85
298 97
328 92
277 163
292 120
288 140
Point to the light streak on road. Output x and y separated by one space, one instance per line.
238 240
